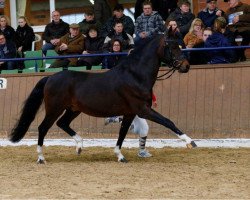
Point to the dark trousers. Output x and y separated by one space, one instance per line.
60 63
245 41
9 65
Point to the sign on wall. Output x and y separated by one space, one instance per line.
3 83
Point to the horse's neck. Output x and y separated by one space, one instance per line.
146 70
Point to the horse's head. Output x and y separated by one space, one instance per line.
172 52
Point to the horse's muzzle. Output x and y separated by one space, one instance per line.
184 67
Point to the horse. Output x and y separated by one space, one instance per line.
125 90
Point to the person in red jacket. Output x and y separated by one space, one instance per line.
139 126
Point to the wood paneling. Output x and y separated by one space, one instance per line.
208 102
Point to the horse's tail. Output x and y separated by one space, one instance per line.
29 111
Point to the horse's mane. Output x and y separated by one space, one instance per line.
143 48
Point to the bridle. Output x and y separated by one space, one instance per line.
174 63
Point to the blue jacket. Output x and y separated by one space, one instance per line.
8 50
207 18
219 56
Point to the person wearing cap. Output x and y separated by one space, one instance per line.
70 44
149 23
54 31
183 16
238 17
217 39
89 21
210 13
118 15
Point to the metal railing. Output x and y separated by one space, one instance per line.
36 69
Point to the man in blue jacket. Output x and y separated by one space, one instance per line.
7 50
210 13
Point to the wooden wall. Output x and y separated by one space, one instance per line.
207 102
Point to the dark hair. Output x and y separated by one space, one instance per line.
181 2
219 24
118 7
169 19
117 22
147 3
112 44
93 27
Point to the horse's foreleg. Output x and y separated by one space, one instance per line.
154 116
126 122
64 123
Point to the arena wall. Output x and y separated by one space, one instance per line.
208 102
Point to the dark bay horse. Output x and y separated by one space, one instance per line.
124 90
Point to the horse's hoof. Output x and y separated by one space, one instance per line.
40 161
123 160
78 151
191 145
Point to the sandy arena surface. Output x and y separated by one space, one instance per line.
172 173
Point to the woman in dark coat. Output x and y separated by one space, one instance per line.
92 45
24 35
111 61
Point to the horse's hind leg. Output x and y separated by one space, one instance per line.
64 123
126 122
43 129
152 115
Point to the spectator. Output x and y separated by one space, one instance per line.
172 23
164 7
183 16
217 39
24 36
127 22
111 61
227 32
89 21
71 43
118 33
7 50
92 45
210 13
102 11
238 16
194 36
200 57
148 23
54 31
7 30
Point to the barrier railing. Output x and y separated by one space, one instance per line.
106 54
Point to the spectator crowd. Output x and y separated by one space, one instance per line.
104 32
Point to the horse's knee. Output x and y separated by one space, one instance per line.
59 123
